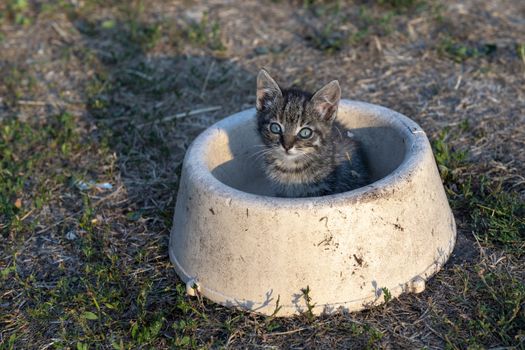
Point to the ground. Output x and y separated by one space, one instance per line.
100 99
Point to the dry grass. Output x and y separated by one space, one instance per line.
90 92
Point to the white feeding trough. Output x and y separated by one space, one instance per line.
240 246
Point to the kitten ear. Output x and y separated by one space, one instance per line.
326 100
267 91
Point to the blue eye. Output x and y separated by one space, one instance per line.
275 128
305 133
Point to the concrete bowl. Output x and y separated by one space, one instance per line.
238 245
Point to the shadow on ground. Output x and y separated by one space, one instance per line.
151 108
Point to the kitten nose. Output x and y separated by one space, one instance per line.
287 146
287 143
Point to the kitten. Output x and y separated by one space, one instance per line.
307 153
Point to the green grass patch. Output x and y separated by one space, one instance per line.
27 156
205 33
486 308
18 82
495 214
377 19
402 5
459 51
328 39
520 51
18 12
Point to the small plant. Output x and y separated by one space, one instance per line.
327 36
498 216
138 32
184 328
402 5
82 346
145 35
270 322
447 158
9 344
308 301
17 10
20 165
490 310
17 82
460 52
145 333
520 50
386 295
328 39
205 33
277 307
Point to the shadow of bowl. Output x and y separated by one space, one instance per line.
241 246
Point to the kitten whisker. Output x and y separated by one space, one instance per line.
260 154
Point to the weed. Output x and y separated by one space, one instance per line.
278 307
270 322
402 5
18 81
145 333
308 302
10 344
496 215
460 52
20 190
369 334
369 24
18 12
328 39
520 50
327 36
56 6
386 295
82 346
184 329
144 35
491 314
205 33
448 158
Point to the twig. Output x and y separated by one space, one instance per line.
26 215
31 103
292 331
61 32
212 64
183 115
139 74
289 332
458 82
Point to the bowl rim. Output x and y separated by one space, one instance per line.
415 149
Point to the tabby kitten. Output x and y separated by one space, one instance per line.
306 152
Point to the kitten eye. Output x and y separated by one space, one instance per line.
305 133
275 128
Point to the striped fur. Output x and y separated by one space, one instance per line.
328 162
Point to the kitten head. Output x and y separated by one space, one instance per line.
296 125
